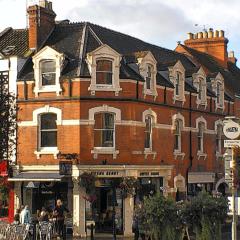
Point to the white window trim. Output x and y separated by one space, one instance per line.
36 113
196 80
101 53
214 82
143 63
117 118
178 68
47 53
201 153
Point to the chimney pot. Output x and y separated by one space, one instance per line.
231 54
190 35
221 33
200 35
216 33
205 34
210 33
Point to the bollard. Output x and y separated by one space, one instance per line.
92 237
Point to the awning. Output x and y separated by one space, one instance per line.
36 177
201 177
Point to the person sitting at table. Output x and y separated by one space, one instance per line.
43 215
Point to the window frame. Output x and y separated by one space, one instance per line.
200 137
41 73
177 135
112 75
219 138
40 147
114 131
150 131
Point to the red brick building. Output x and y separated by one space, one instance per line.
124 107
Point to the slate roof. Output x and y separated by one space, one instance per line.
15 38
231 75
75 40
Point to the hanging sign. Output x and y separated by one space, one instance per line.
231 129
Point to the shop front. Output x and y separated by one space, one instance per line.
42 189
108 207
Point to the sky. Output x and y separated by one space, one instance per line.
162 22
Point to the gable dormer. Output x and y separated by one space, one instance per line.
148 69
104 67
199 82
47 65
217 84
177 77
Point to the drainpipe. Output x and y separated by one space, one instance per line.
190 140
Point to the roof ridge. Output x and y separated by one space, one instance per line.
5 31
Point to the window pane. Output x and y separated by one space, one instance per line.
48 138
104 130
104 65
104 78
148 131
48 121
48 72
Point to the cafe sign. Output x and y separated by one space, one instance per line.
231 129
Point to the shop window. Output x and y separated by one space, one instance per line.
104 73
219 139
48 130
177 135
148 132
200 136
48 72
104 130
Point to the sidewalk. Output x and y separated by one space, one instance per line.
102 237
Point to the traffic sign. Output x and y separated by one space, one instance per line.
231 143
231 129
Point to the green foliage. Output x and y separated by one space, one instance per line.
129 186
87 181
164 219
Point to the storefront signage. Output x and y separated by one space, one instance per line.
149 174
65 168
231 143
106 173
231 129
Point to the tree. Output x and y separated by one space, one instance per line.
7 119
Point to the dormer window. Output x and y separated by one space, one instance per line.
200 89
177 77
218 93
149 77
218 88
104 73
104 67
177 84
48 72
47 64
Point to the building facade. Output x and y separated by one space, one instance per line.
112 106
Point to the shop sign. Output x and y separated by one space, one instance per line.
65 168
107 173
231 143
231 129
149 174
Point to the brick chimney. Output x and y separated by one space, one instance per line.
231 57
41 23
211 42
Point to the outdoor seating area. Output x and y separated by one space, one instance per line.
41 231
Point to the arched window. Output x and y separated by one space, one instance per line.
200 134
48 130
219 138
149 77
104 72
177 135
104 130
48 72
148 132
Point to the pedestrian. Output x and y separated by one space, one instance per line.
25 217
59 214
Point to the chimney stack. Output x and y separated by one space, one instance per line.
41 23
211 42
231 57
